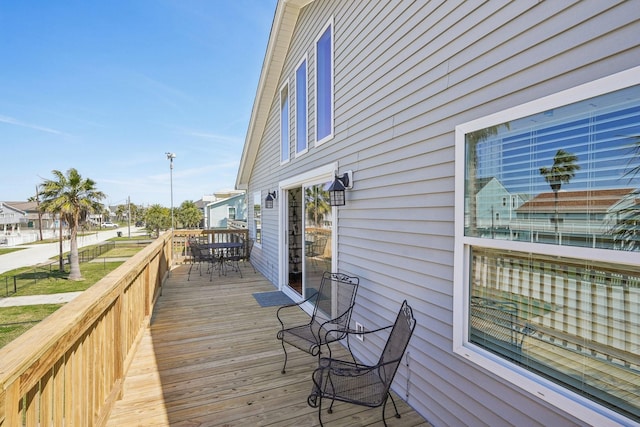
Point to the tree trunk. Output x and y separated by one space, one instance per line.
74 262
60 260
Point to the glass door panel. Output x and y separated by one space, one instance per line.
318 225
295 246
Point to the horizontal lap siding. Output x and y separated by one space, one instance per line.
406 73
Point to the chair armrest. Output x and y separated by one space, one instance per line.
286 307
350 331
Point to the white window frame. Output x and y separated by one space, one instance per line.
306 109
285 140
568 401
257 200
328 25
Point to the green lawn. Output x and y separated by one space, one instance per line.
9 250
32 281
14 321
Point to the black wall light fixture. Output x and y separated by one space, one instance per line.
338 187
268 201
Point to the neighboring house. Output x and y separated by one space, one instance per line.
495 207
581 217
11 218
31 209
221 213
422 101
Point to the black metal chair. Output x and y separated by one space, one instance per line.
248 247
361 384
316 249
322 328
199 256
231 257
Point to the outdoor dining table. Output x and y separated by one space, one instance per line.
221 251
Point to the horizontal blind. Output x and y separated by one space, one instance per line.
569 176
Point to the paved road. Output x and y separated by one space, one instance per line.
37 254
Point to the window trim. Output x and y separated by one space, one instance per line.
257 195
555 394
306 108
327 26
283 159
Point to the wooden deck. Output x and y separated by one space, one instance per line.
211 358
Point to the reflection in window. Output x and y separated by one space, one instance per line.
318 225
324 85
572 174
573 322
301 107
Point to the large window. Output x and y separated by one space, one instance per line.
301 107
324 84
547 246
284 123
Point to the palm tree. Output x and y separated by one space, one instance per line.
563 169
73 198
189 215
317 204
626 224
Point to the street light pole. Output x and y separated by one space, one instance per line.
170 157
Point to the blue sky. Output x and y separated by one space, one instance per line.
109 87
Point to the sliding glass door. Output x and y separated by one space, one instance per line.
309 232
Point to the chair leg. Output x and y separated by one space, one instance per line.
384 407
285 357
320 411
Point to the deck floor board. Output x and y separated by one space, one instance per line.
210 358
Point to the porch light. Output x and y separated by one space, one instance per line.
337 188
268 201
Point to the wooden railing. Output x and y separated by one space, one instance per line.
68 369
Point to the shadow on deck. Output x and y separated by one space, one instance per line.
211 358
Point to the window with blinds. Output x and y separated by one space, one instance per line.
565 176
571 175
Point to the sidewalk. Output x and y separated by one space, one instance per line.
41 253
38 299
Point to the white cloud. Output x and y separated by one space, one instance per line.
16 122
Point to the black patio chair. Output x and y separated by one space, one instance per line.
199 256
322 328
248 247
232 258
361 384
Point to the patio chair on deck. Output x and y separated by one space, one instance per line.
360 384
248 246
322 328
200 255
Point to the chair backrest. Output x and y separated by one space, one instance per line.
248 247
396 344
319 245
335 298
